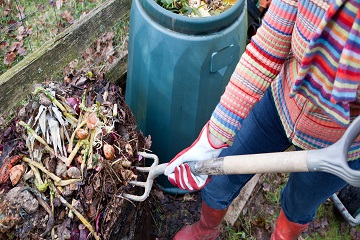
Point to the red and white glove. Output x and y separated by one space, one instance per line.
179 173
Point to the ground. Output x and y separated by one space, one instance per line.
171 213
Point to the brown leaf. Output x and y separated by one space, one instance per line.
9 58
109 36
59 4
3 45
14 46
28 30
67 16
16 173
22 51
21 31
21 14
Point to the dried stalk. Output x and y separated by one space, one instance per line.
77 213
72 119
42 141
74 152
63 183
36 174
42 168
85 156
70 147
91 143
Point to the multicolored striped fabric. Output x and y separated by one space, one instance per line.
330 70
273 59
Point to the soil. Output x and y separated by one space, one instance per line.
171 213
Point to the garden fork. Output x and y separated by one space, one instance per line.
332 159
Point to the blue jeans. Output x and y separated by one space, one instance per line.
262 132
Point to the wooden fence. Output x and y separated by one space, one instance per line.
61 50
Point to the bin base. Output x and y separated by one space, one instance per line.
167 187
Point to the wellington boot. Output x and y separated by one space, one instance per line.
286 230
207 228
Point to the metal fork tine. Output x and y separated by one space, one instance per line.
134 197
143 169
139 184
154 171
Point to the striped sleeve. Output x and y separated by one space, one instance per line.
257 68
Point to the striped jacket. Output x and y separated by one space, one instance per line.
272 59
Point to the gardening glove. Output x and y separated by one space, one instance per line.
178 171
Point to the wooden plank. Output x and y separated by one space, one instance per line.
117 71
239 202
56 53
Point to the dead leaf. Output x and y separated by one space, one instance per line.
9 58
67 16
16 173
59 4
3 45
21 31
20 14
109 36
22 51
14 46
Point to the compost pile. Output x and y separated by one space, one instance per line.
196 8
66 158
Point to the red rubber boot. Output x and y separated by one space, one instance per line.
208 227
286 230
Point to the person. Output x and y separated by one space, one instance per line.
297 83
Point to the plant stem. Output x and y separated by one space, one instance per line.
70 147
57 103
74 152
77 213
42 141
42 168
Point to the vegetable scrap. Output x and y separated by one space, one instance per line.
196 8
66 157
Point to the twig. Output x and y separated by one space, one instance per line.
42 168
77 213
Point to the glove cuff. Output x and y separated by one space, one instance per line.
215 145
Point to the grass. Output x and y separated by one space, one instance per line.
32 23
337 230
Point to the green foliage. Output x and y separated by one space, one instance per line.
234 235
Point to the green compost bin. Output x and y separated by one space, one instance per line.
177 70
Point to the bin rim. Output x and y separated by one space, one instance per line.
191 25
